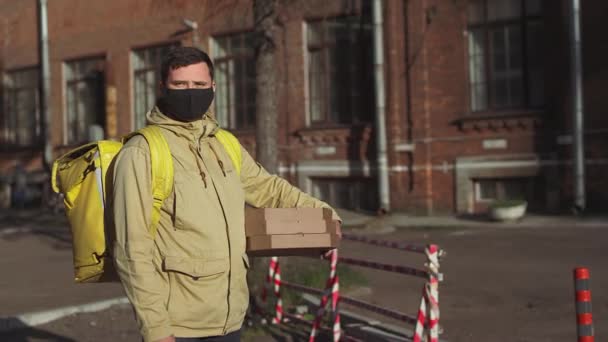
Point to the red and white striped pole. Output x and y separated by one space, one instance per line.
332 292
274 261
584 317
278 318
428 314
335 297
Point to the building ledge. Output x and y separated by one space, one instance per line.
334 134
496 121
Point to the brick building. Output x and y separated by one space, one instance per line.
478 103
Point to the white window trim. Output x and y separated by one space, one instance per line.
306 74
478 198
64 86
131 90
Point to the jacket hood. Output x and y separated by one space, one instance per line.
194 130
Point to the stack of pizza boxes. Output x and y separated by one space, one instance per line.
290 231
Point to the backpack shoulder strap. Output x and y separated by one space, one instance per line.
162 169
232 146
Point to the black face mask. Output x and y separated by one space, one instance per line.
186 105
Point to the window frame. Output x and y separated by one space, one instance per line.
486 26
9 96
324 46
324 49
136 72
356 185
233 118
501 184
478 191
101 68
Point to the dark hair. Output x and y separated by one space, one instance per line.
181 56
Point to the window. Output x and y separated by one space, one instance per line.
21 121
146 79
340 70
505 44
85 100
487 190
347 193
235 80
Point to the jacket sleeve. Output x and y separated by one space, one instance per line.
134 248
263 190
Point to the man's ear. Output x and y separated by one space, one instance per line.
213 85
161 88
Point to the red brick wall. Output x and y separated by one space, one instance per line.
426 82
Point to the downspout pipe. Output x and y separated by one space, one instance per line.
383 181
45 84
576 70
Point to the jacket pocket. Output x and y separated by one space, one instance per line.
240 293
198 291
196 207
196 267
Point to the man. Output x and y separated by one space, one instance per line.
188 282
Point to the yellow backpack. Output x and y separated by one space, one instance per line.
84 177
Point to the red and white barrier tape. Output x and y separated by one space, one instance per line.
428 314
273 279
277 292
331 289
386 267
432 291
355 302
335 296
421 319
383 243
274 261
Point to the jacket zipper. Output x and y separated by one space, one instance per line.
225 328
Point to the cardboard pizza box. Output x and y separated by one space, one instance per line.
291 244
288 221
288 214
255 228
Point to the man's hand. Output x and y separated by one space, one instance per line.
327 254
167 339
338 229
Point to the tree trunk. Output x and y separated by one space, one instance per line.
264 12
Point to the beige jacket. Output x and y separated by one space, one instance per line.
190 279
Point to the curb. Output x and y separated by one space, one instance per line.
32 319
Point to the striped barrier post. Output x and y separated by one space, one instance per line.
331 292
584 317
432 292
428 313
269 277
420 320
277 292
335 296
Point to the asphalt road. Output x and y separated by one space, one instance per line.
501 284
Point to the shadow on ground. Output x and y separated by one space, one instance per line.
32 334
54 226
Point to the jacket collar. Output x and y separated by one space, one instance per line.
193 131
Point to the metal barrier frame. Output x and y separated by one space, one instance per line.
427 321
